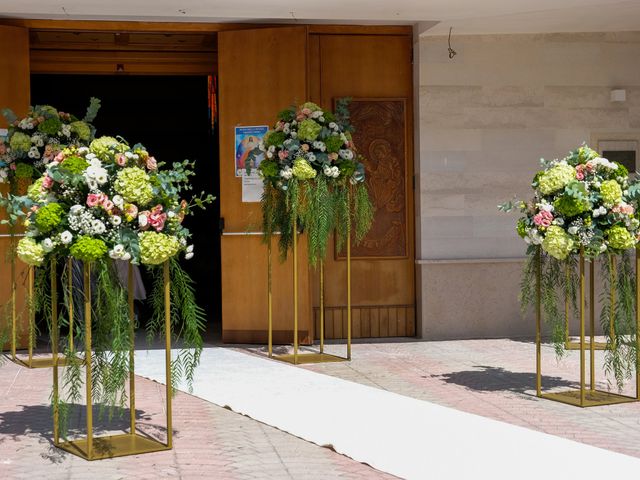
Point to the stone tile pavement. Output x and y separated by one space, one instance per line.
495 379
209 441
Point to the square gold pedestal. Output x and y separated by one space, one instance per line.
114 446
592 398
575 345
40 362
305 358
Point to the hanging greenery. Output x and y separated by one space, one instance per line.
313 178
583 203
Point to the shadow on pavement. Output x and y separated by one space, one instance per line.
496 379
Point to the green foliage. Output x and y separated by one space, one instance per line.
275 139
570 206
88 249
49 217
92 110
24 170
269 169
334 143
51 126
74 165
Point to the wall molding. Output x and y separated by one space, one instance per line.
462 261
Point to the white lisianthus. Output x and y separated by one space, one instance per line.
34 153
76 209
118 201
116 220
66 130
346 154
66 237
171 214
188 256
47 245
95 162
573 230
316 114
286 173
85 150
269 155
128 154
97 227
294 134
37 140
126 256
190 249
143 221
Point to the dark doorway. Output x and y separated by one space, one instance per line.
170 116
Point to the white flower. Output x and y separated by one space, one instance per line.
346 154
327 171
102 178
66 130
85 150
34 153
183 241
603 247
294 134
573 230
321 118
119 249
92 184
333 125
311 157
269 155
47 245
316 114
188 256
286 173
143 220
3 175
118 201
66 237
98 227
128 154
76 209
37 140
171 214
126 256
116 220
335 171
190 249
95 162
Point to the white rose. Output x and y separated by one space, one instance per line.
126 256
119 249
188 256
573 230
95 162
118 201
47 245
66 237
143 220
190 249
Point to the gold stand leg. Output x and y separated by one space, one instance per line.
269 298
582 352
592 326
87 357
349 284
612 315
132 337
295 290
321 306
567 276
14 319
637 323
54 350
167 338
70 308
32 313
538 321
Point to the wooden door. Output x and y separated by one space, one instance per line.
14 94
376 71
261 71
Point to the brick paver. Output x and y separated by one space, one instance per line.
495 379
209 441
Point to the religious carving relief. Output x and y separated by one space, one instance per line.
381 138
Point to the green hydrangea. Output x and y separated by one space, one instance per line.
134 185
557 243
102 147
621 171
611 192
51 126
157 248
24 170
309 130
570 206
20 142
49 217
47 111
274 139
34 192
334 143
303 170
30 252
268 168
82 130
74 164
556 178
347 168
522 227
586 153
311 106
88 249
619 238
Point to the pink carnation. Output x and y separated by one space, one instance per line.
47 181
93 200
623 208
59 157
152 163
121 160
283 154
543 218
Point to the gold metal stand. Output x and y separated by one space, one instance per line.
298 358
584 397
131 443
575 345
43 361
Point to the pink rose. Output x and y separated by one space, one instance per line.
283 154
59 157
47 181
280 125
130 211
157 209
590 165
121 160
93 200
623 208
543 218
156 220
152 164
306 112
580 172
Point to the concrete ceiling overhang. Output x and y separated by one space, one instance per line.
431 17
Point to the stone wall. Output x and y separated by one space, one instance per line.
485 118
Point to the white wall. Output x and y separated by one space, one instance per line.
485 119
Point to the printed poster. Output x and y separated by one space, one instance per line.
247 158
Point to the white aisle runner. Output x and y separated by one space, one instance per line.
403 436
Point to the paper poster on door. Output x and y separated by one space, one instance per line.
252 188
247 158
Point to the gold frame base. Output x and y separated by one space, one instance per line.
309 358
40 361
592 398
575 345
114 446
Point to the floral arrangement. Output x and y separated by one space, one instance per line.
313 177
35 140
582 203
108 199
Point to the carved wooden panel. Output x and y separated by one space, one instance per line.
380 136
